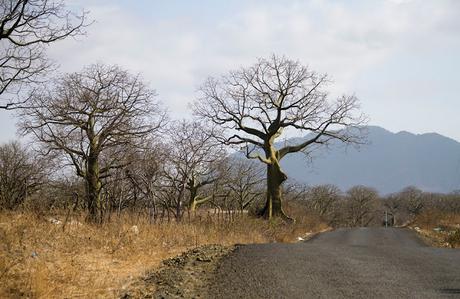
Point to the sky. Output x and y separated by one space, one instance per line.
399 57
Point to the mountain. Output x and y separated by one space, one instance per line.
389 162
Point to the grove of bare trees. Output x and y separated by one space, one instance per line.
101 141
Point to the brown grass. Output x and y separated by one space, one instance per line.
40 260
439 228
434 218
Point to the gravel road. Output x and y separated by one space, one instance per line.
346 263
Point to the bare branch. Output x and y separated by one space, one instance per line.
27 27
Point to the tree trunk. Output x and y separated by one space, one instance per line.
178 207
192 200
275 179
192 205
195 200
94 186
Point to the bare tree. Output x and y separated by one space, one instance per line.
295 190
256 105
27 27
412 200
92 117
144 175
20 175
322 198
406 204
193 162
361 205
244 181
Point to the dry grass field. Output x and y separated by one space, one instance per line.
441 229
40 259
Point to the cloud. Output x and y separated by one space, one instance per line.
347 39
175 54
398 1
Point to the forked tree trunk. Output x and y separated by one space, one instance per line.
193 205
194 199
273 205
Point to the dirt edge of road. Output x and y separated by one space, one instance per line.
431 238
183 276
188 274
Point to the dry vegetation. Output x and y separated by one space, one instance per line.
110 155
39 259
439 228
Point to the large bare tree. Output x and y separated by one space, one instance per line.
256 105
93 117
27 27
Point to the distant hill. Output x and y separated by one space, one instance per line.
390 162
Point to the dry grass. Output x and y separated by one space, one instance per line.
435 218
441 229
40 260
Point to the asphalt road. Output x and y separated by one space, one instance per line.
346 263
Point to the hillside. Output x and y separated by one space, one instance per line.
389 162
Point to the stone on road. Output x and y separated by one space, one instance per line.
346 263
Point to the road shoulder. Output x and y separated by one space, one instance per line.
184 276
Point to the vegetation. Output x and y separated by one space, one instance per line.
110 185
56 256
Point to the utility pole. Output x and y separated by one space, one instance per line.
386 218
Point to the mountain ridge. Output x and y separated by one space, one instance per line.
388 162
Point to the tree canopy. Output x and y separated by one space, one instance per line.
256 105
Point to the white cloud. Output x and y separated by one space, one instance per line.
349 40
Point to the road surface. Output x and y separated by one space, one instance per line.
346 263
